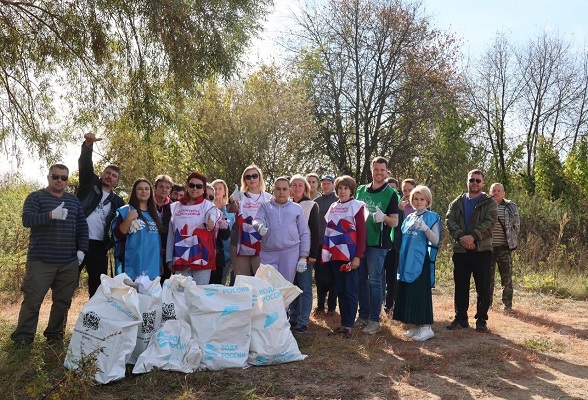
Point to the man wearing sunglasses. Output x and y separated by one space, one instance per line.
470 220
58 241
100 204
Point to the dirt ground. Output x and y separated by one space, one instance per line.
538 352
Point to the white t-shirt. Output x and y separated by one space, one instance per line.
97 219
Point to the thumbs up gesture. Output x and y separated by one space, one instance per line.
378 215
210 222
59 213
237 195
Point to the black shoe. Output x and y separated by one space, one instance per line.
56 340
458 324
331 313
293 325
481 325
23 343
300 329
319 311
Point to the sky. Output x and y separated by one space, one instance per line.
475 22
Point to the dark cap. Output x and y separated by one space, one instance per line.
329 177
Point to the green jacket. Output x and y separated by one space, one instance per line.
481 223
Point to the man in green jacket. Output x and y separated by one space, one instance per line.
470 220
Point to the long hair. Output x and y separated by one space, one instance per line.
151 207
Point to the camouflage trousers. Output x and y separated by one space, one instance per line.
501 256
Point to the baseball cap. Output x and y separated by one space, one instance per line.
329 177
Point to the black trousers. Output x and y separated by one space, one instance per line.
96 263
391 268
476 263
325 286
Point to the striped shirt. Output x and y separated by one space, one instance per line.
54 241
498 237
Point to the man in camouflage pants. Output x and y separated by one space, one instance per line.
504 241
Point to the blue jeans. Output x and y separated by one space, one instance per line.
301 307
370 283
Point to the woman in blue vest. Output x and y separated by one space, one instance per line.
421 231
136 227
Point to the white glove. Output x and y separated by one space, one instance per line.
301 266
378 215
420 225
59 213
81 256
135 226
263 229
237 195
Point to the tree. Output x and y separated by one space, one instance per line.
493 90
110 61
376 72
266 120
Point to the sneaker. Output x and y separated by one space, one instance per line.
371 328
481 325
508 310
424 333
331 313
360 322
411 332
300 329
293 324
347 334
458 324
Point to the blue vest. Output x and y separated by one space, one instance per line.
142 254
416 247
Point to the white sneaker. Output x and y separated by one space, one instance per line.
424 333
411 332
371 328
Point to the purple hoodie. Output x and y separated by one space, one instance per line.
286 227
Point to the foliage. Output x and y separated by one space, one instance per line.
111 61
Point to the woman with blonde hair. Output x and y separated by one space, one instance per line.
223 256
421 232
245 203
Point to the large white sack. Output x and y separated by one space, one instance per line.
150 308
106 331
277 280
272 341
171 348
173 298
220 317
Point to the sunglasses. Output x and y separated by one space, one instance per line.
252 176
472 180
57 176
210 197
195 185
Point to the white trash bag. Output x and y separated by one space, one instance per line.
271 274
173 298
106 331
272 341
172 349
150 307
220 317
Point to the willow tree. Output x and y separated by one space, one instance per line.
111 63
377 71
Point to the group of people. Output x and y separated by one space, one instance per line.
370 246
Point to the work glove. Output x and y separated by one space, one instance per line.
210 223
59 213
135 226
223 223
301 266
81 256
345 267
420 225
263 229
237 195
378 215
